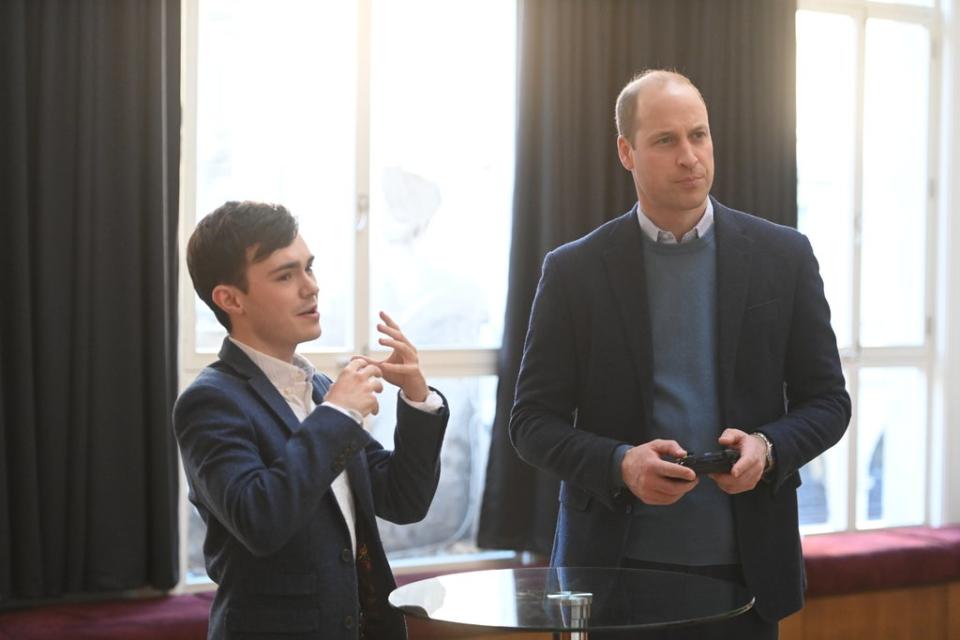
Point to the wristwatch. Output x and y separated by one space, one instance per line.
768 461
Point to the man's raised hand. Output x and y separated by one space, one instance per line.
357 387
402 366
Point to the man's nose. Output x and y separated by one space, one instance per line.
310 287
687 157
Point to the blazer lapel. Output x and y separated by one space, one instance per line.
627 274
232 355
321 384
734 251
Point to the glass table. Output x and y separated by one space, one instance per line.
573 601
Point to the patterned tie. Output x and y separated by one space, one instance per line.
372 616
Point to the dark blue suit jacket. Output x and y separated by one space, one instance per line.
277 544
586 385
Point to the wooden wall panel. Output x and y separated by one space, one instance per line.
919 613
791 627
953 611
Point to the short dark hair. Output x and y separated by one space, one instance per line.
218 248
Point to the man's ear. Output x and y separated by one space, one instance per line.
227 298
624 151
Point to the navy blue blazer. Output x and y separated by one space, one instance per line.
586 384
277 544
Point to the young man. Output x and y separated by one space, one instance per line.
279 466
681 326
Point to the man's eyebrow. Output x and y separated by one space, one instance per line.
661 133
293 264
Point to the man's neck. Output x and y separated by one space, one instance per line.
679 223
279 352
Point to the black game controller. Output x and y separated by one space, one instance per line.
710 462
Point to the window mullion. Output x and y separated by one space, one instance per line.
187 346
933 172
852 450
361 307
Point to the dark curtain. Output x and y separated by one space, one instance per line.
89 165
574 57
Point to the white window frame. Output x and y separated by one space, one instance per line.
436 363
922 357
946 402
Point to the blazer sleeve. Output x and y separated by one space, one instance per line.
261 506
404 481
818 406
542 422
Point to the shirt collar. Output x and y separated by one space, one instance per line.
655 233
278 372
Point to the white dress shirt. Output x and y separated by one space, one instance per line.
655 233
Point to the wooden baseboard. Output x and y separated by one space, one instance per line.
918 613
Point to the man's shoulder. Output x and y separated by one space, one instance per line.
216 379
598 240
758 229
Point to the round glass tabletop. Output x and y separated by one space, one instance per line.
561 599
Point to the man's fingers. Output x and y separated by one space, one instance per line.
731 437
404 348
377 385
675 471
389 321
390 331
396 368
677 487
356 363
371 371
667 448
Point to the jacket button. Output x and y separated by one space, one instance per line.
348 622
346 555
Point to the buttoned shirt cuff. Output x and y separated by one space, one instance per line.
347 412
616 473
432 404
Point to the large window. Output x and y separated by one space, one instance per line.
866 150
387 128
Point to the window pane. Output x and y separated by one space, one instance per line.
196 530
891 447
894 184
826 66
441 175
451 524
276 98
822 498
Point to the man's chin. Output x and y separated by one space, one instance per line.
693 202
309 333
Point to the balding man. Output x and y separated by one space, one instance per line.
681 326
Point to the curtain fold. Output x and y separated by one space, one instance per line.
574 57
89 185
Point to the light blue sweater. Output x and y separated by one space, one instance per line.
682 298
